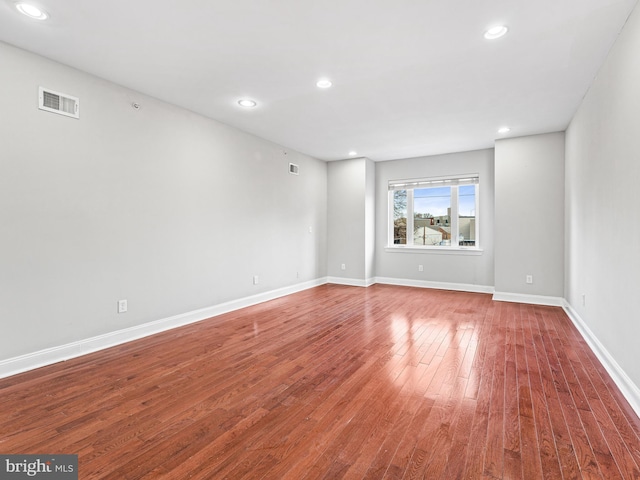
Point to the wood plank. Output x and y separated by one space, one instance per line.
337 382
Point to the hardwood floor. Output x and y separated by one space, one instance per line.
337 382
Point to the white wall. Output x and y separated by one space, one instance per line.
603 202
439 267
529 228
370 220
350 229
152 206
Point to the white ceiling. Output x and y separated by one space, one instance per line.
410 77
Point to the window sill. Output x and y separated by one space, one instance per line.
436 250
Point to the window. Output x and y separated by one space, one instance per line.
434 212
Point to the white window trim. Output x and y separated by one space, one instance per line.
453 182
435 250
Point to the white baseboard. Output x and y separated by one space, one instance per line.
30 361
460 287
531 299
629 389
60 353
353 282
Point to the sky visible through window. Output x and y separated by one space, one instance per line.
467 200
436 200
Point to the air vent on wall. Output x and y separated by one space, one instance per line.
293 169
60 103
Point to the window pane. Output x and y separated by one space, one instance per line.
432 216
467 215
400 217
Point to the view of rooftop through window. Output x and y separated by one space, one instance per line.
429 210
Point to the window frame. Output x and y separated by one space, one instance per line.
453 181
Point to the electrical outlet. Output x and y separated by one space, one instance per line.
343 266
255 280
122 306
529 279
420 268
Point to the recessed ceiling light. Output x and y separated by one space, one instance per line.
495 32
324 83
245 102
32 11
353 153
504 130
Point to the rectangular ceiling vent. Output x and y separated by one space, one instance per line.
293 169
59 103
